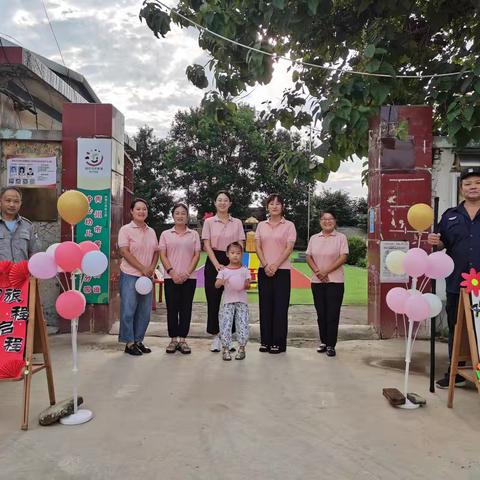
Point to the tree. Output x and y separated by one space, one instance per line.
338 202
219 146
404 37
151 179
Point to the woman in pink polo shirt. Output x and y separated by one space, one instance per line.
139 249
326 253
218 232
274 239
179 252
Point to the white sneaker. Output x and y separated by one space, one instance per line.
216 344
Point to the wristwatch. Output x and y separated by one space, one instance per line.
169 269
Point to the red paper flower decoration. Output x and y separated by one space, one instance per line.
5 266
471 282
18 273
12 368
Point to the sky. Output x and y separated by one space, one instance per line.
144 77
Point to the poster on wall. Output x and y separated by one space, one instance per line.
386 276
13 327
94 172
32 172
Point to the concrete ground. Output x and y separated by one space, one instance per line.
298 415
302 323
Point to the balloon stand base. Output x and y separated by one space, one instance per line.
408 405
82 416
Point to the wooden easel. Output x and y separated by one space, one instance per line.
464 347
36 342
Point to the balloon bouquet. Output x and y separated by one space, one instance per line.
412 302
76 261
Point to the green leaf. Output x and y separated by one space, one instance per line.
468 113
373 65
369 51
333 162
364 4
354 117
312 6
380 92
280 4
452 115
477 86
453 128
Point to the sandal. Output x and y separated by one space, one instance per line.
241 354
263 348
274 349
184 348
226 356
172 347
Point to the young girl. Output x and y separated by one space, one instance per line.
235 279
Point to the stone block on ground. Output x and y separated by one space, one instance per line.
56 412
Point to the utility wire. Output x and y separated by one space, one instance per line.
301 62
53 32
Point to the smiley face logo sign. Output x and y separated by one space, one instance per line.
94 157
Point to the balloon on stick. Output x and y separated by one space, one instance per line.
143 285
70 304
434 302
88 246
72 206
394 262
415 262
68 256
439 265
417 308
420 216
42 266
396 299
94 263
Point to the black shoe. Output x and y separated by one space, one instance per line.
133 350
322 348
331 352
143 348
263 348
443 382
275 349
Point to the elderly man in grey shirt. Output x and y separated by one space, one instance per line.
18 239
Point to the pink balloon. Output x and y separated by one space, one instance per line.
415 262
439 265
68 256
417 308
70 304
396 299
42 265
88 246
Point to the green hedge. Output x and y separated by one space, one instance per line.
358 251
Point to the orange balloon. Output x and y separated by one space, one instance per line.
72 206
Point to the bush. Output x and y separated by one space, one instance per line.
358 251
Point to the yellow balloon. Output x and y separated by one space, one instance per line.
420 216
394 262
72 206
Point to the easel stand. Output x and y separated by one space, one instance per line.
36 342
465 347
83 415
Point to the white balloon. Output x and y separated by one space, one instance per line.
143 285
394 262
94 263
51 249
434 302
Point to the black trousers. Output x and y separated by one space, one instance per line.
328 298
214 295
179 299
274 300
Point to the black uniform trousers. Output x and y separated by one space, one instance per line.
274 300
328 298
214 295
179 299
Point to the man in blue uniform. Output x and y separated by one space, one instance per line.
459 233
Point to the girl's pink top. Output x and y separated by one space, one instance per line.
234 287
